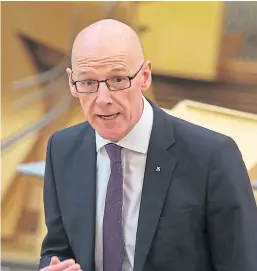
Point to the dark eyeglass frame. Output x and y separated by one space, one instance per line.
74 83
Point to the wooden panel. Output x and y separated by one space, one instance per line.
232 43
238 71
169 91
11 211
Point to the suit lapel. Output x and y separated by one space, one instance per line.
158 172
84 195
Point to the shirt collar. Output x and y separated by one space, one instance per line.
138 138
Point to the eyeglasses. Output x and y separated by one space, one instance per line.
114 84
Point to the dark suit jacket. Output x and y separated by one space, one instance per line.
197 214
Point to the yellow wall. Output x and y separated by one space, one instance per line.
183 38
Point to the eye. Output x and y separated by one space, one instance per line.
88 82
119 79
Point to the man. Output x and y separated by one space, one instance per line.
134 188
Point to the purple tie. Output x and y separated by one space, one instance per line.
113 241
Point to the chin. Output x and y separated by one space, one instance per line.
113 136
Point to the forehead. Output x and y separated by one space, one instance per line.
102 62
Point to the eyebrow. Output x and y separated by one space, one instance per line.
117 72
115 69
82 73
118 69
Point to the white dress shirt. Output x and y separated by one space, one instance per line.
133 153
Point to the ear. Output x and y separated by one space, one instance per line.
147 75
73 91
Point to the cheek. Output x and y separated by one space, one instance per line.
86 105
134 99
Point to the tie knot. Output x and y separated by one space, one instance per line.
114 152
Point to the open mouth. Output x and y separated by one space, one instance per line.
109 117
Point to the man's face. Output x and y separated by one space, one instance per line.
112 114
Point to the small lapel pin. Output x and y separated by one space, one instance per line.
158 169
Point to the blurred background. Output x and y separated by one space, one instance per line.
204 57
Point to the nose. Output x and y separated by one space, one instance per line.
103 94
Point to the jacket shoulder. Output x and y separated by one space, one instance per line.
69 136
72 131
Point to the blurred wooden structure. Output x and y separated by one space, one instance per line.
169 91
190 52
